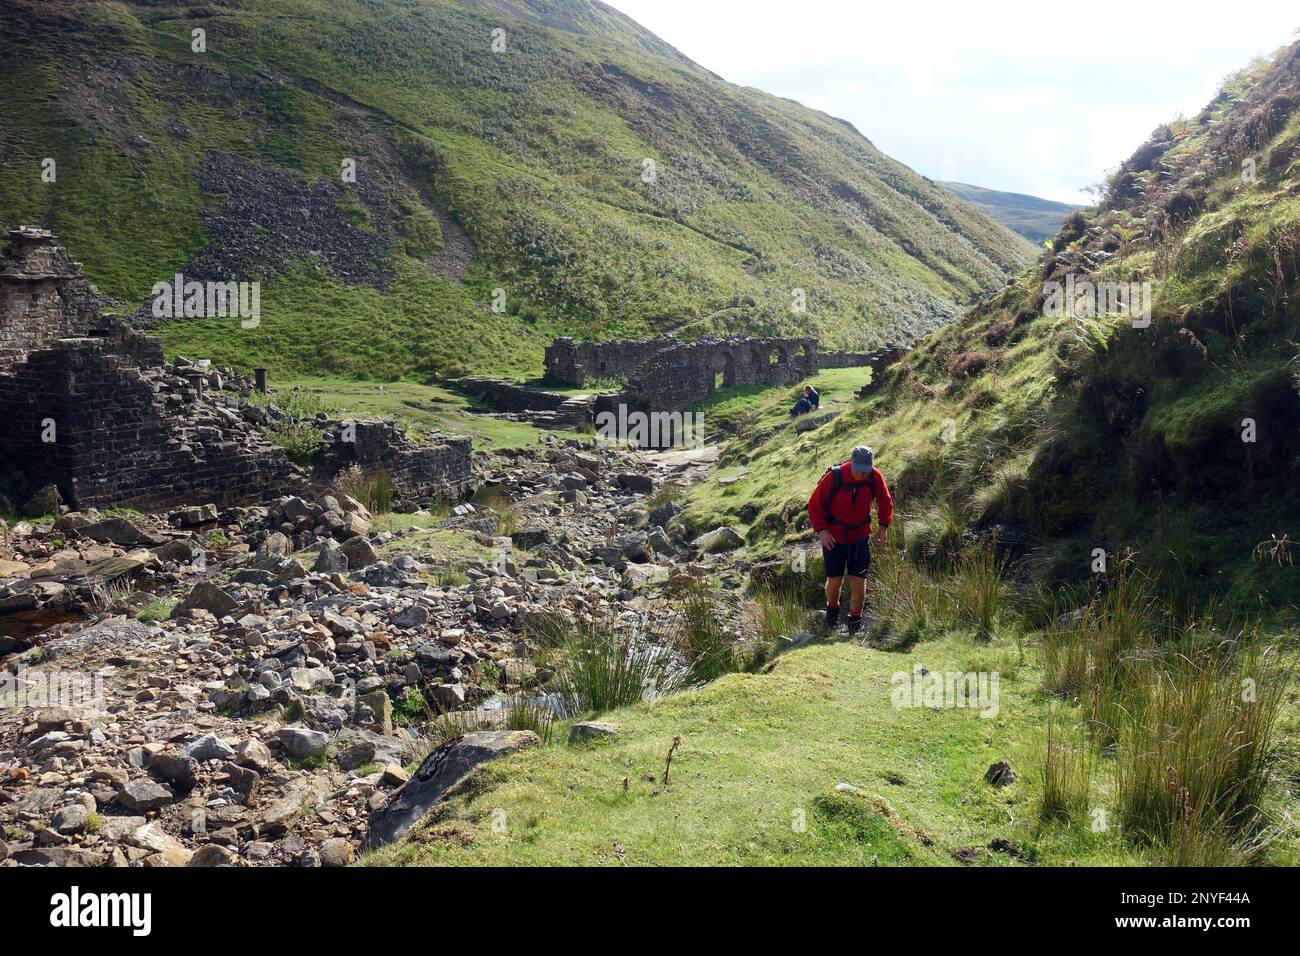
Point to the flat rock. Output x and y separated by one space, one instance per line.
439 772
119 530
124 633
720 539
143 795
585 730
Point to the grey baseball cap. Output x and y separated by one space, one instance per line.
862 459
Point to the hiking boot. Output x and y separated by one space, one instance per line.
854 623
832 616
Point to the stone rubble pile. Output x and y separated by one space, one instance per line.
277 691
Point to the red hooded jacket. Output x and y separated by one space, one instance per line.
851 505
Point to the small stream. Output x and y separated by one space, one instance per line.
18 629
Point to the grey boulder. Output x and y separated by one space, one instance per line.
442 769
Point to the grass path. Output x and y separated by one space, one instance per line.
761 755
418 406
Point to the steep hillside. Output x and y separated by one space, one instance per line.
1062 435
1029 216
606 184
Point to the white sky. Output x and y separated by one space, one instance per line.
1036 97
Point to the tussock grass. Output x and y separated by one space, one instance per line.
777 611
604 666
496 501
978 589
372 487
1066 772
519 713
936 536
1188 715
699 639
909 606
1195 742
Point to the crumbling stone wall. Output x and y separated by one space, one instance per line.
673 374
418 471
41 299
79 416
670 375
510 397
86 404
574 363
688 373
848 359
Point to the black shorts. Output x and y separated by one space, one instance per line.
854 558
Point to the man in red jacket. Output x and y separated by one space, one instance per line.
840 509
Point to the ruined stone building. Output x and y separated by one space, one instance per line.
418 471
89 405
674 375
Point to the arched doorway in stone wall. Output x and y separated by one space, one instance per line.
724 369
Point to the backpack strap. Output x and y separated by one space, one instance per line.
837 482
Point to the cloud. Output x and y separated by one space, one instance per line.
1017 95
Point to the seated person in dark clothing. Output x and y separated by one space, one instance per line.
810 400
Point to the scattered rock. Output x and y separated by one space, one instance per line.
46 501
208 597
177 769
212 855
302 741
439 771
144 795
209 747
1000 774
336 852
254 754
360 553
585 730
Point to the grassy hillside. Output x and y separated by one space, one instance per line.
1059 436
607 185
1029 216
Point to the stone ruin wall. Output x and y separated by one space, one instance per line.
508 396
132 431
574 363
441 467
41 299
673 375
847 359
688 373
146 438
